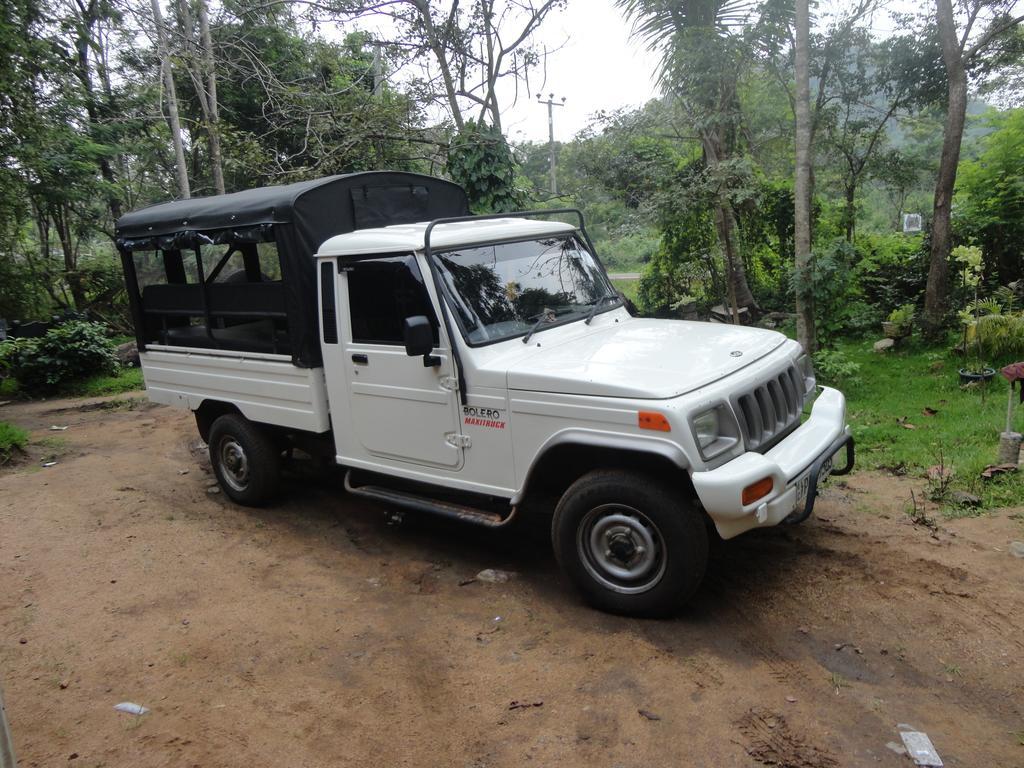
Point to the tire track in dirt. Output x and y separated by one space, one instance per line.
771 741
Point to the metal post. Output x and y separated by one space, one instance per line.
552 163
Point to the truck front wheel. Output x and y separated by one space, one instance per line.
245 460
630 543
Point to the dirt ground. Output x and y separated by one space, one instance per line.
314 634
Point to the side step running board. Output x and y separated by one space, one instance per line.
424 504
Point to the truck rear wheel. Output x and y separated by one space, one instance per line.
245 460
630 543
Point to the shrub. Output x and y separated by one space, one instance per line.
70 351
903 316
827 281
1001 337
834 367
860 318
891 269
12 440
481 161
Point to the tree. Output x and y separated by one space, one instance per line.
198 54
868 91
465 54
802 187
990 197
703 54
481 161
960 50
171 95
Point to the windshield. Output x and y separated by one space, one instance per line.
502 291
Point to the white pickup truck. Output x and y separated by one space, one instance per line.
472 367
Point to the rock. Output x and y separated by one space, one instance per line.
213 489
1017 548
128 354
494 576
885 345
964 499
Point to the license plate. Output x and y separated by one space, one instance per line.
804 483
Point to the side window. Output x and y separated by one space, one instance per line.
381 294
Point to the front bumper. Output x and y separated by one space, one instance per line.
800 457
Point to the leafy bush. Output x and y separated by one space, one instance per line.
835 368
902 316
481 161
12 440
891 269
860 318
1001 337
827 281
70 351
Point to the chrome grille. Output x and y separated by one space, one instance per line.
771 410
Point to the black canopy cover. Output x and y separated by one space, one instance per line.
299 218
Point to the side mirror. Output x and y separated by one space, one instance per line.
419 339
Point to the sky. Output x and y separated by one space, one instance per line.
594 64
596 67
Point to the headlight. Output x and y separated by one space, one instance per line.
715 431
706 428
806 367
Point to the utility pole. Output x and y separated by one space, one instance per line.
551 137
378 70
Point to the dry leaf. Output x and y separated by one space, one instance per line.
997 469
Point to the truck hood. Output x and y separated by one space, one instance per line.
639 358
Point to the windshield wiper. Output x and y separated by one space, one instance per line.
547 316
597 306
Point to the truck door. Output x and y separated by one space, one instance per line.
401 409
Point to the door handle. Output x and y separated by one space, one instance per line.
360 359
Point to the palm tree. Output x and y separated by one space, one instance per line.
702 52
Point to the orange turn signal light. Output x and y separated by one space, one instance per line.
653 420
757 490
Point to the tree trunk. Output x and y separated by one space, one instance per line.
937 290
213 111
71 274
728 237
172 100
805 330
850 209
739 294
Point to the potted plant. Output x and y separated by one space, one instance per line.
969 256
900 322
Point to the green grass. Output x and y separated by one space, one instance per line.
12 441
125 380
886 404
